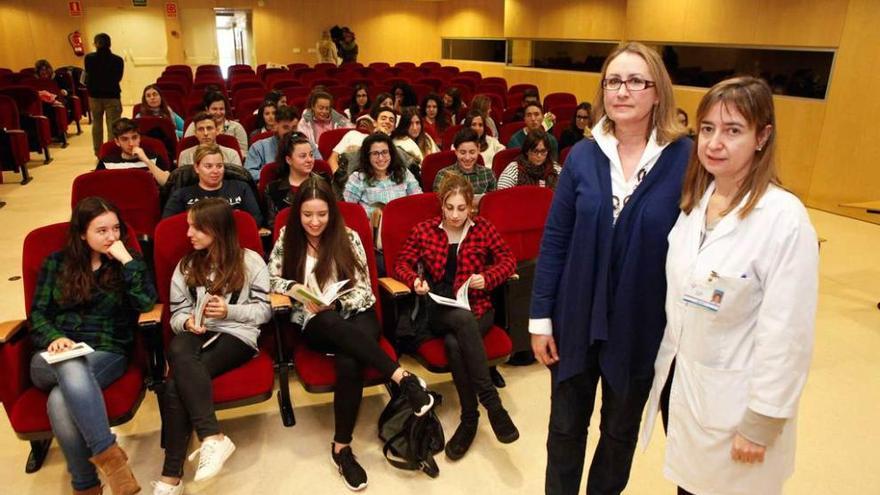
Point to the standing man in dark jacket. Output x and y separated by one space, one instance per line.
103 72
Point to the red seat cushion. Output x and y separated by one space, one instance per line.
252 379
433 352
121 398
318 371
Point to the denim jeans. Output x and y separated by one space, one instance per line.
571 406
76 407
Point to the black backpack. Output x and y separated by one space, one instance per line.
411 442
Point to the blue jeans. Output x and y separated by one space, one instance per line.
76 408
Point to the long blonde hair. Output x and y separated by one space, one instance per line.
663 115
752 98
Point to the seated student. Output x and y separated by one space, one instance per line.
296 160
216 105
153 105
533 167
534 122
321 117
467 151
404 96
131 155
489 145
316 248
234 282
580 126
380 176
351 142
360 102
43 70
530 95
266 118
440 255
434 117
410 137
209 169
206 132
382 100
452 103
483 104
91 291
266 150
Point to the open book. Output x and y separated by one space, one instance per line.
311 293
461 297
78 349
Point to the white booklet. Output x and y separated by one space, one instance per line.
78 349
199 311
310 292
461 297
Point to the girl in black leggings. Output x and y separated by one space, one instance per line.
234 283
313 251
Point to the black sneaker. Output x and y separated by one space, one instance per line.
352 473
416 394
461 440
502 425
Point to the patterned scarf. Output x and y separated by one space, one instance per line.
532 175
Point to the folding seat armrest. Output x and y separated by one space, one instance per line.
393 287
151 317
8 329
281 303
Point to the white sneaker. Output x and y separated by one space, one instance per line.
212 454
162 488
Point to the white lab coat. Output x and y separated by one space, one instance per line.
754 352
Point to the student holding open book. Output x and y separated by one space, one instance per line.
219 298
442 255
322 264
89 292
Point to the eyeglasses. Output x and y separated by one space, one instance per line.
582 117
634 84
539 152
380 154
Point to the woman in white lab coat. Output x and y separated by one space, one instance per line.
742 273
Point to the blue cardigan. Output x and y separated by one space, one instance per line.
605 283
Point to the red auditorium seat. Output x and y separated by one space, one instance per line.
133 191
222 139
448 136
159 128
508 130
14 151
329 140
33 122
502 159
148 143
554 100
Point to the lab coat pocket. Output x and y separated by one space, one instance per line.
723 396
738 297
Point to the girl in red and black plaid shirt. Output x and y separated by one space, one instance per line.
439 256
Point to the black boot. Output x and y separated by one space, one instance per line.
502 425
461 440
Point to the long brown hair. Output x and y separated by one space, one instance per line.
663 115
219 268
752 98
77 279
335 255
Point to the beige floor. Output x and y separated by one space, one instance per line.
836 455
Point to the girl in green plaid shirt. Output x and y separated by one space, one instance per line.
91 291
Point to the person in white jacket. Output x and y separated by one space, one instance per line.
742 274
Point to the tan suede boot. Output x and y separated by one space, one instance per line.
95 490
113 464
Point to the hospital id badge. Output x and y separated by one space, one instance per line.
705 295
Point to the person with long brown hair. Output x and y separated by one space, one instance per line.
533 167
320 117
440 255
742 276
597 299
410 137
90 291
153 105
316 249
489 145
229 284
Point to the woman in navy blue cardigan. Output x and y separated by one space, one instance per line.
598 299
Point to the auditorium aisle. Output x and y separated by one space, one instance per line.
837 435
